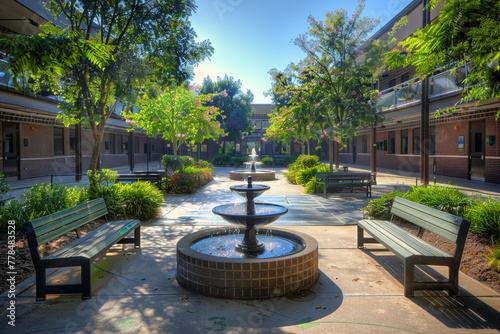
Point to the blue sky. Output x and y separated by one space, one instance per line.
252 36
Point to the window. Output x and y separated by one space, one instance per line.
365 143
58 141
432 142
416 141
392 83
204 148
392 142
112 143
265 124
404 141
136 145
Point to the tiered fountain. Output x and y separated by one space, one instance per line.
253 169
259 263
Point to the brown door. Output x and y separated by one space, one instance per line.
476 155
10 149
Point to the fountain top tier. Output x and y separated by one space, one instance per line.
249 190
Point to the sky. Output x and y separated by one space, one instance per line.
250 37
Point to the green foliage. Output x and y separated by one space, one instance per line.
171 163
267 161
284 161
100 186
466 31
221 160
446 199
494 255
42 200
187 161
204 164
95 72
179 114
484 216
303 162
327 96
4 187
13 210
309 187
380 208
236 105
238 161
139 199
189 180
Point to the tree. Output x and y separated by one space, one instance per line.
179 115
465 31
108 50
236 105
329 90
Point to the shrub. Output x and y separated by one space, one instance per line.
171 163
4 187
13 210
380 208
303 162
267 161
484 216
42 200
191 179
446 199
305 175
204 163
238 161
221 160
187 161
100 186
139 199
283 161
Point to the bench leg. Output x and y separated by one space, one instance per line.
40 284
137 237
360 237
409 278
453 275
86 280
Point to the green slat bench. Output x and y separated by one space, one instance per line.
151 177
412 249
82 251
344 180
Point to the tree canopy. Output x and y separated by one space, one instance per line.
179 115
465 31
326 95
107 51
236 105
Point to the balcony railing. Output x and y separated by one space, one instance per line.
408 92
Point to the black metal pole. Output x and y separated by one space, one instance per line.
424 116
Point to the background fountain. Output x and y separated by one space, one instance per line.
253 170
260 263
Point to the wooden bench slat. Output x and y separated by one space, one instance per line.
48 233
93 242
344 180
91 205
403 242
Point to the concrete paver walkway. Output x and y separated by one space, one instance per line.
359 291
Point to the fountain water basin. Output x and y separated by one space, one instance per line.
253 170
248 261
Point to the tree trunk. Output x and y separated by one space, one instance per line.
94 160
337 155
330 146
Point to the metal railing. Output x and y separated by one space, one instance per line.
451 81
